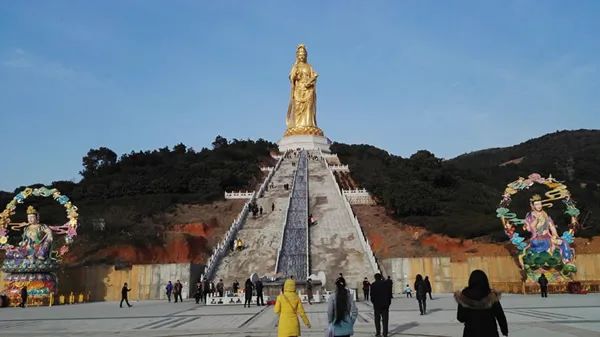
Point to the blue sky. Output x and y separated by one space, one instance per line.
447 76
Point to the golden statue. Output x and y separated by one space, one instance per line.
302 110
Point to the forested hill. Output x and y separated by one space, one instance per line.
458 197
131 193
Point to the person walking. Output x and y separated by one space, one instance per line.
177 289
259 293
288 306
309 291
24 297
260 210
206 290
543 281
428 287
390 285
421 294
272 207
341 311
381 299
169 289
366 288
479 308
220 287
236 287
248 287
124 292
212 289
198 293
408 291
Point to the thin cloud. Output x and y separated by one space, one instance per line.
19 59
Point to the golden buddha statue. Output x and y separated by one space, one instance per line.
302 110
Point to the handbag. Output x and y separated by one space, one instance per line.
330 331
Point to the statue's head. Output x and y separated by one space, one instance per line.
536 203
33 216
301 53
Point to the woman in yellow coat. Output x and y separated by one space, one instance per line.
288 306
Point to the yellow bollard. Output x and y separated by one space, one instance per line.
80 298
51 299
71 298
61 299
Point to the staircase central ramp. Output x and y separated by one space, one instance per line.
261 235
335 242
293 257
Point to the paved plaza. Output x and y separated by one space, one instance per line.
528 316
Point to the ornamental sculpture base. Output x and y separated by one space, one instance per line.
304 142
39 287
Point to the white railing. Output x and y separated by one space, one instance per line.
341 168
239 195
361 235
267 181
358 197
220 249
266 169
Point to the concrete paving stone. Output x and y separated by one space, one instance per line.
528 316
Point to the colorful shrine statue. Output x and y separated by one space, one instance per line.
36 241
546 252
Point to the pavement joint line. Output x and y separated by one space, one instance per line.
152 323
185 321
534 315
167 323
253 317
541 314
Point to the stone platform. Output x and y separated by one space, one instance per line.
528 316
304 142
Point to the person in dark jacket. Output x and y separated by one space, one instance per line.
198 293
169 289
543 281
366 287
220 288
124 292
479 308
259 293
428 287
236 287
421 294
206 290
248 287
24 297
381 299
177 290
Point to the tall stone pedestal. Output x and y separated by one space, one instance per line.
304 142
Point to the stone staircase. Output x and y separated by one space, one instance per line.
293 258
261 235
335 246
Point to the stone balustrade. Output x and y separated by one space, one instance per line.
341 168
358 197
239 195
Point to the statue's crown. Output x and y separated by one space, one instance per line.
300 46
535 197
31 210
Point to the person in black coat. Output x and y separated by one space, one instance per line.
381 299
24 297
248 287
124 292
421 294
543 281
428 287
366 287
259 293
479 308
